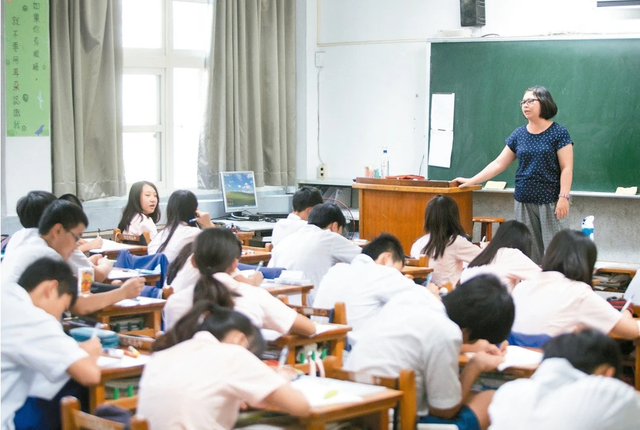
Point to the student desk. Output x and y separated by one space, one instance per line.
336 335
115 368
636 343
416 271
278 289
110 249
252 255
119 274
148 307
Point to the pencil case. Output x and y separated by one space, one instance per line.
108 338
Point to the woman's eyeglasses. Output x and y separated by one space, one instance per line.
527 102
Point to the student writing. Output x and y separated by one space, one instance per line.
303 201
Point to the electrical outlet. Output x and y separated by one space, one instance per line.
319 59
323 171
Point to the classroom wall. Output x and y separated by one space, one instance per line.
372 90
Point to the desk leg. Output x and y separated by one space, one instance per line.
316 426
96 397
337 346
303 299
157 322
377 420
291 359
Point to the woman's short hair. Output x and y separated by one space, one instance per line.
548 108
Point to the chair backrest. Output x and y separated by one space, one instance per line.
422 261
74 419
406 411
134 239
337 315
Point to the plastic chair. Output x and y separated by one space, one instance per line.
74 419
126 260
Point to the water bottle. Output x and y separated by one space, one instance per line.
384 164
587 226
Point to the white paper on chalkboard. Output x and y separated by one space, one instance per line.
442 106
440 147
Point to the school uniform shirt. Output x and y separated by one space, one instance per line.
141 223
448 267
364 287
33 347
285 227
552 304
199 384
183 235
32 249
558 396
313 251
264 310
78 260
18 238
509 264
412 331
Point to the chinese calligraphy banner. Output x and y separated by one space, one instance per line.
27 67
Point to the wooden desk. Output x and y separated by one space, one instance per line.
148 307
119 274
277 289
416 272
251 255
636 343
127 367
245 236
336 336
110 249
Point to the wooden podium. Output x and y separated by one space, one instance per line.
397 206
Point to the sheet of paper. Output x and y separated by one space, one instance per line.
495 185
442 108
138 301
440 147
110 245
629 191
325 391
633 290
518 357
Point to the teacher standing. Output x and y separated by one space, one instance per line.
543 180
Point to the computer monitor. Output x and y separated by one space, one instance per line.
238 191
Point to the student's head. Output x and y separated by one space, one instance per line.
71 198
587 350
483 308
226 325
548 108
143 199
51 285
62 225
304 200
31 207
511 234
215 250
327 216
385 250
571 253
181 208
442 223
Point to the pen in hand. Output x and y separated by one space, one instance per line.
283 357
260 264
97 327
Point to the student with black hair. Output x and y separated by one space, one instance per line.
184 221
414 330
573 388
506 256
142 211
215 258
60 228
303 201
29 209
316 247
445 242
560 299
365 285
38 358
209 354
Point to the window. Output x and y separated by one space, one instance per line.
166 43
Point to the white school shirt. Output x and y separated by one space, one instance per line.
199 384
78 260
33 347
552 304
285 227
509 264
141 223
364 287
412 331
18 238
560 397
32 249
448 267
184 234
313 251
264 310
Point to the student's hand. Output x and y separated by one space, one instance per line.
95 243
503 347
133 287
486 362
93 347
434 289
485 346
95 259
204 219
562 208
256 279
464 182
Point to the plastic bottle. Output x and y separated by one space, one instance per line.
384 164
588 226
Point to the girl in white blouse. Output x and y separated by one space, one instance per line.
507 256
142 211
445 242
204 369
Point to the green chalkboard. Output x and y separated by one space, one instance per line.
595 83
